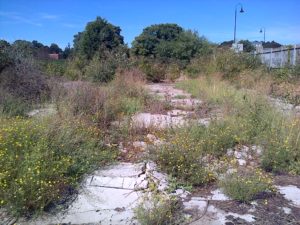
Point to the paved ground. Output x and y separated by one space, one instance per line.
109 195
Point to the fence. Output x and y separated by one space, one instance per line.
280 57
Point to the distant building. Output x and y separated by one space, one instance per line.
54 56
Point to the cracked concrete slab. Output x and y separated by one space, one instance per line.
291 193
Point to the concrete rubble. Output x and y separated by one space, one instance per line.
109 196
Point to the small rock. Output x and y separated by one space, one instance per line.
229 152
151 137
257 150
286 210
218 195
237 154
231 171
141 183
242 162
139 144
252 163
158 142
150 166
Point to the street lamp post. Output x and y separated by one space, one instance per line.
235 15
261 30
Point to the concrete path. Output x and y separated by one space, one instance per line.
108 196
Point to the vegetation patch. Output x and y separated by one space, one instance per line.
159 209
248 186
40 160
249 119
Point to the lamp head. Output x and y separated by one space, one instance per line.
260 31
242 10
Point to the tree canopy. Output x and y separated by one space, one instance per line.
98 34
168 41
54 48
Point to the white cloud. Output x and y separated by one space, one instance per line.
17 18
72 25
49 16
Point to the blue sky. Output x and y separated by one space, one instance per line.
57 21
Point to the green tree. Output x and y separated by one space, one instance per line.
67 51
37 44
146 43
54 48
98 34
169 41
23 48
5 59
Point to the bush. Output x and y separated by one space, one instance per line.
173 72
11 105
42 160
75 68
159 209
23 79
154 71
201 65
231 63
122 97
282 148
246 186
54 67
182 157
21 84
101 70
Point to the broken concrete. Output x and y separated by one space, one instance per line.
158 121
46 111
291 193
108 196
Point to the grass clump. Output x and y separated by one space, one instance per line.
42 160
159 209
181 158
124 96
282 151
245 187
248 118
11 105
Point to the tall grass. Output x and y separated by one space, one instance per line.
248 119
105 103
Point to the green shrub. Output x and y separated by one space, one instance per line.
154 71
159 210
42 160
123 96
201 65
173 72
181 158
75 68
101 70
246 186
54 67
282 148
13 106
248 118
231 63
